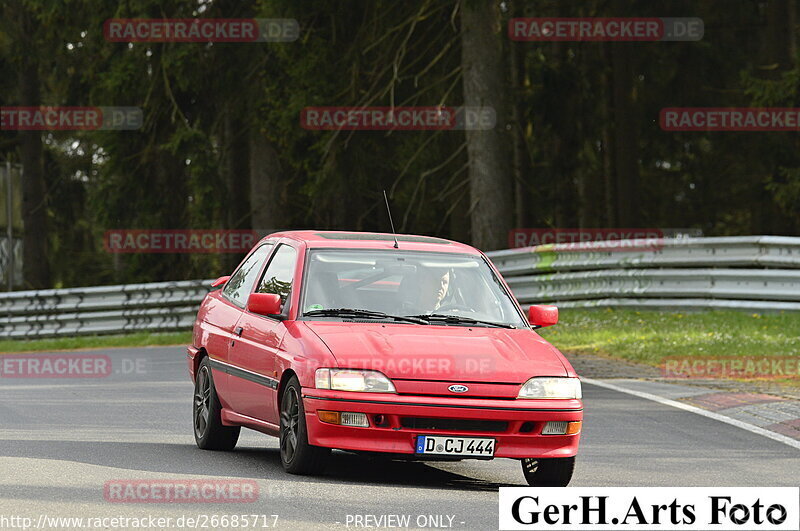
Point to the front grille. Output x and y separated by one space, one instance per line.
425 423
462 395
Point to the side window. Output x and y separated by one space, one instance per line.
238 287
280 273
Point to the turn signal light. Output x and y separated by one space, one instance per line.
331 417
574 427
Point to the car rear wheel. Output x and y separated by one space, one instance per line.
552 472
297 456
209 432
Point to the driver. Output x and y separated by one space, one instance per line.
433 289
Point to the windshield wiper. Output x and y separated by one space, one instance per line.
457 319
367 314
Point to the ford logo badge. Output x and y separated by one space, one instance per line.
458 388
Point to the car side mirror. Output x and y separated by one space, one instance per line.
268 304
540 315
220 281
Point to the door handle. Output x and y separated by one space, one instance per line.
239 331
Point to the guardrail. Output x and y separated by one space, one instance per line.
733 251
159 306
756 273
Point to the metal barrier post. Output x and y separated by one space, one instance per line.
10 229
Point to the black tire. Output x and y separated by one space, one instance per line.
297 456
552 472
209 433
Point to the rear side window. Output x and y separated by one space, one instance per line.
279 275
241 283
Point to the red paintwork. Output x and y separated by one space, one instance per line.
422 361
264 304
255 351
443 352
543 315
510 443
220 281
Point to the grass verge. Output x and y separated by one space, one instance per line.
137 339
650 336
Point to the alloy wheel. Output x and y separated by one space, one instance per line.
202 402
290 422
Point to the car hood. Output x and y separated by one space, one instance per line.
442 353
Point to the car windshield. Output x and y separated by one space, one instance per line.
407 283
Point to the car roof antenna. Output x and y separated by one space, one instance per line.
389 210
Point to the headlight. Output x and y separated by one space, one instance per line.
546 387
353 380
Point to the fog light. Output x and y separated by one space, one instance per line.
561 427
354 419
555 428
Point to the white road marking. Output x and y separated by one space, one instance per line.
699 411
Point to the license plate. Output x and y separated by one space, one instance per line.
443 445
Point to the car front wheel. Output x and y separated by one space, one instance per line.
551 472
209 432
297 456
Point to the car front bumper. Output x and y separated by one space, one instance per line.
516 425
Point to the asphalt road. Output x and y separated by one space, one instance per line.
61 440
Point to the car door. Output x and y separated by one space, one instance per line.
254 388
225 310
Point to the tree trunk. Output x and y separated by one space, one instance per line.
626 148
460 218
609 181
36 270
780 42
490 184
778 50
235 173
265 185
566 133
521 167
609 209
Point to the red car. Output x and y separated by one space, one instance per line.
411 347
